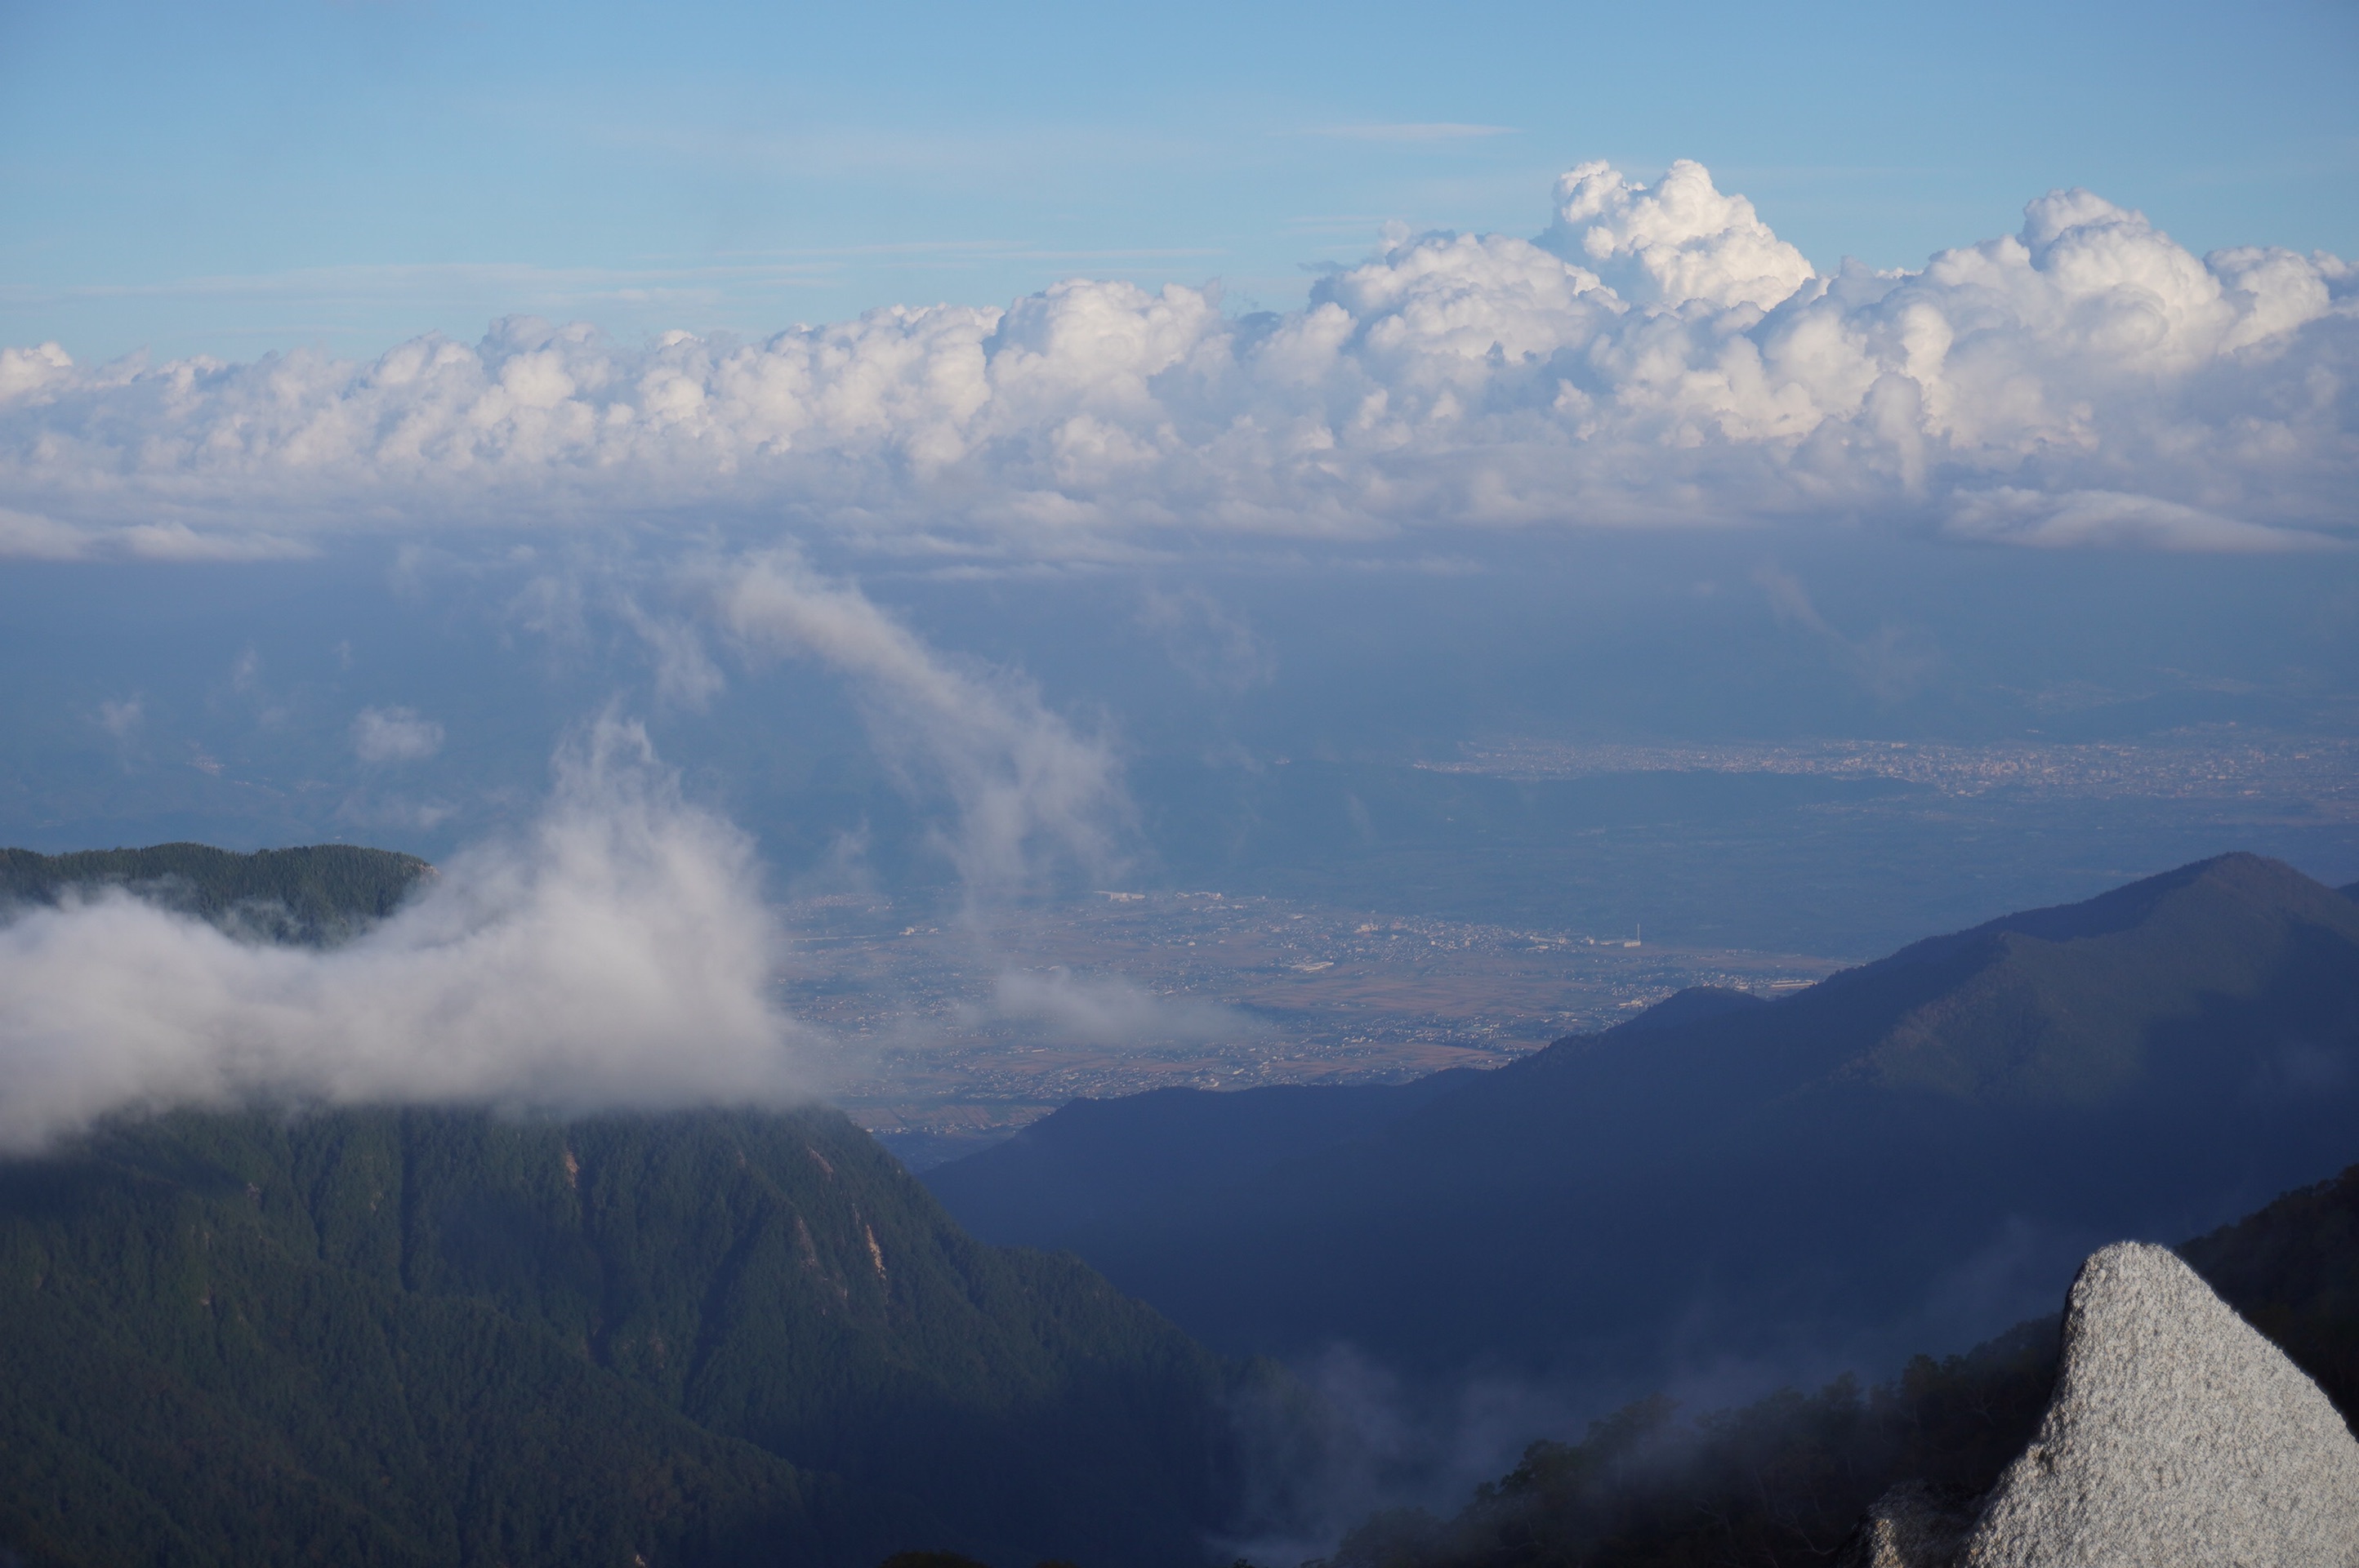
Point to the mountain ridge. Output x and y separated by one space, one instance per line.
2018 1085
1193 1134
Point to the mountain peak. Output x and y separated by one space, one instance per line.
2066 1003
2238 877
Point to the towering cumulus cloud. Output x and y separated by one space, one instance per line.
1655 357
617 954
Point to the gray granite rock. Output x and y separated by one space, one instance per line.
2177 1438
2176 1435
1911 1526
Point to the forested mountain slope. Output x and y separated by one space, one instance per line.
443 1335
318 893
436 1337
1910 1153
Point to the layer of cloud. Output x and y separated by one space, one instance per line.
2111 517
1027 794
1655 357
617 954
31 536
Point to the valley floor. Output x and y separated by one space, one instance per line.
948 1040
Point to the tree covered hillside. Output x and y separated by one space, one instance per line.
424 1336
319 894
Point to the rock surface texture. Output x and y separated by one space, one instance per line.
2178 1436
1911 1526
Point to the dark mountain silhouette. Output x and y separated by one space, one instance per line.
1094 1159
320 893
1693 1006
1911 1154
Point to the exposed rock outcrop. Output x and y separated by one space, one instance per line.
1911 1526
2176 1435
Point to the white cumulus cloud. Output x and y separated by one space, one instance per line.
618 954
1681 241
1656 356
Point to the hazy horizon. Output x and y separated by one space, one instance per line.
1429 485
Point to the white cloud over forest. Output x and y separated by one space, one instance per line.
618 954
1655 357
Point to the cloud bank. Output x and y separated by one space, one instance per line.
617 954
1655 357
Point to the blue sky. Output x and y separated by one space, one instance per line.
504 521
2087 461
233 179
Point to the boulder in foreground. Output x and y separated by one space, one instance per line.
2176 1435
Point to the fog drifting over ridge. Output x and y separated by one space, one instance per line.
1655 357
617 953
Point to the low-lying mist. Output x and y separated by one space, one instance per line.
615 952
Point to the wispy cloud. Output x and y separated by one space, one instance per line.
1415 131
29 536
1055 1004
1027 794
1890 663
2111 519
394 735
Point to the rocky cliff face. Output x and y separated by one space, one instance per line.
2176 1435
